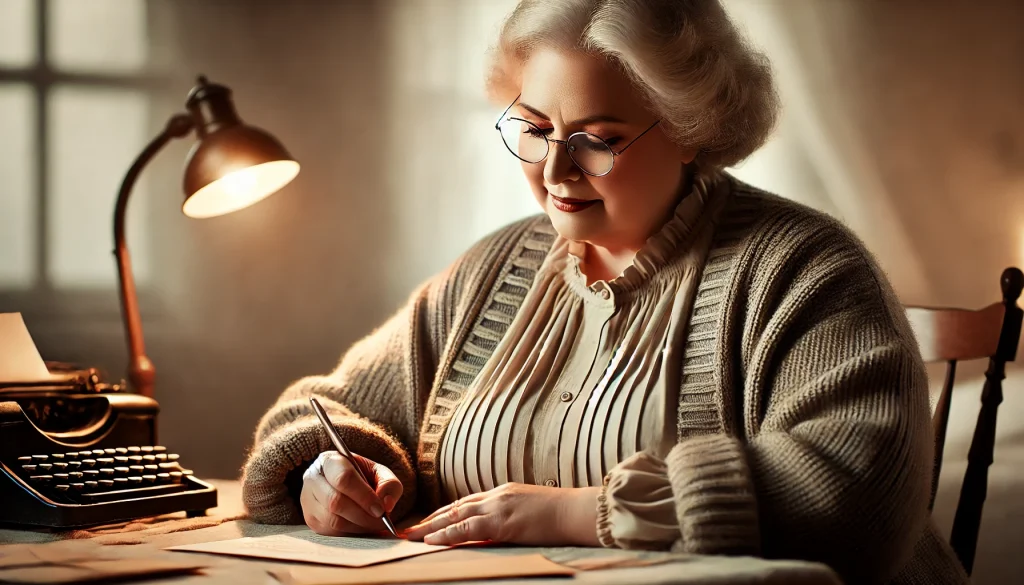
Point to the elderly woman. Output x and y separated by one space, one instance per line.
667 358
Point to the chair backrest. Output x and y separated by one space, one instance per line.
953 335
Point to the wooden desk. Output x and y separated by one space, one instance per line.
152 535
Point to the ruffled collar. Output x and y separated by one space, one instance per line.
659 250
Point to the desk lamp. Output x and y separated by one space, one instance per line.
232 166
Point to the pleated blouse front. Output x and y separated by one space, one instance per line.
585 376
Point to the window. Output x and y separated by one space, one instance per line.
74 113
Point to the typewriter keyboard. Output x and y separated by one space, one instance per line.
104 475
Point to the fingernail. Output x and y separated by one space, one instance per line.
376 510
389 502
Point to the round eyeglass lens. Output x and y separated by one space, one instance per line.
524 139
590 153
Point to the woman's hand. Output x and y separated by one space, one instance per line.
335 500
516 513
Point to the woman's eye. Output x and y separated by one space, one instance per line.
537 132
613 140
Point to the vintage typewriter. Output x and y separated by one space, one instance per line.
76 451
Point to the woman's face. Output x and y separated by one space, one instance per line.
559 90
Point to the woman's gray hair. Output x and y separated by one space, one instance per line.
691 66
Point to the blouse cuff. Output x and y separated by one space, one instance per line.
635 507
604 523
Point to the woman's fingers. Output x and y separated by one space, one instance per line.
389 488
470 529
317 515
346 479
339 504
444 509
449 515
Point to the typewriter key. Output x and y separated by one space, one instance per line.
106 482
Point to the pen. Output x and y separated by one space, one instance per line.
342 448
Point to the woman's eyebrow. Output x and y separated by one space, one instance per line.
581 122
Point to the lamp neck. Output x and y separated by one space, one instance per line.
211 107
140 369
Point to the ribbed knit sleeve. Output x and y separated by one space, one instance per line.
377 395
829 458
374 379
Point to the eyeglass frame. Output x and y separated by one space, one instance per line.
497 126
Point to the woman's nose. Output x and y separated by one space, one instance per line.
558 166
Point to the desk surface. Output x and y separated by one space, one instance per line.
225 523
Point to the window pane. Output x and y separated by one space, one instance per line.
98 35
17 187
94 136
17 32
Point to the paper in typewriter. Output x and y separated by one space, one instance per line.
19 358
310 547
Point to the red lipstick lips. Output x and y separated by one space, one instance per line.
572 205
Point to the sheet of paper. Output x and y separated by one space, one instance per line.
491 567
19 358
310 547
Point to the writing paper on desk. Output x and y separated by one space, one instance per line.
19 359
309 547
488 567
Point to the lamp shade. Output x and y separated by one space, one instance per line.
232 165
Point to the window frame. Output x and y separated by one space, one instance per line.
42 300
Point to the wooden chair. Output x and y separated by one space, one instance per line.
953 335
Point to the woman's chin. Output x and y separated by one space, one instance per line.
574 227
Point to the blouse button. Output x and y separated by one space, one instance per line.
605 294
566 396
551 483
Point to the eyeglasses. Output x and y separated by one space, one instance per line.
527 142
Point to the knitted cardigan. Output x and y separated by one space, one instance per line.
803 408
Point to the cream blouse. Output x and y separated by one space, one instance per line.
586 377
